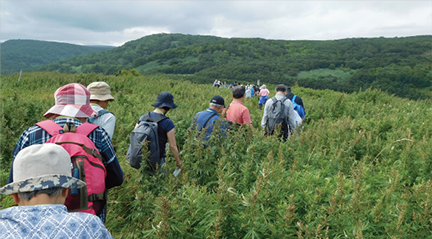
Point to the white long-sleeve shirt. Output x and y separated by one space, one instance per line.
106 121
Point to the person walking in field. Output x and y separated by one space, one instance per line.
279 113
72 108
207 119
263 94
100 96
166 133
237 112
41 182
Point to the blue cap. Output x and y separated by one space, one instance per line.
217 99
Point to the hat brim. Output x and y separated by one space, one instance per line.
161 105
78 111
102 97
42 182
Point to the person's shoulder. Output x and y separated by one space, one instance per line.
7 212
32 129
86 220
201 112
84 217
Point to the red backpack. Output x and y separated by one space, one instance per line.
87 165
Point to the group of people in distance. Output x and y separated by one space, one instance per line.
238 114
41 177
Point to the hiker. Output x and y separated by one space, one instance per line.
248 92
206 120
237 112
166 133
263 94
100 95
41 182
72 107
297 103
278 111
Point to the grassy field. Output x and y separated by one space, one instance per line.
360 168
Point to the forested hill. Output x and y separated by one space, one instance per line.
400 66
19 55
123 57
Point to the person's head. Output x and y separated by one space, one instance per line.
238 92
217 103
41 175
100 93
289 89
165 101
281 89
72 100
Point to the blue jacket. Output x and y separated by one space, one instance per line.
202 117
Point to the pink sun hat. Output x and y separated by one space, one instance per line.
71 100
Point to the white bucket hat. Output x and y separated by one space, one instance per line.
41 166
100 91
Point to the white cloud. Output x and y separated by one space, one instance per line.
115 22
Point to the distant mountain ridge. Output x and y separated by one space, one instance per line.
400 66
19 55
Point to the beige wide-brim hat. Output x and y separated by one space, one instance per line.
100 91
41 166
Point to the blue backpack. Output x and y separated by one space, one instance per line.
300 110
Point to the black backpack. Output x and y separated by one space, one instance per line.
145 134
277 116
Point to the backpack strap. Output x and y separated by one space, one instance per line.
86 128
205 124
294 97
157 119
101 112
51 127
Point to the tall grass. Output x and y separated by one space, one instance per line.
360 168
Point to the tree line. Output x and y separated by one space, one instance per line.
399 66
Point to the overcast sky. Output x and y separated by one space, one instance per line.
116 22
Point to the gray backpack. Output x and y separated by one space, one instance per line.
277 116
145 134
101 112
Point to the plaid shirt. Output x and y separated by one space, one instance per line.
49 221
36 135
